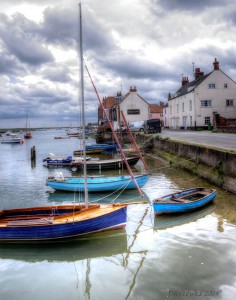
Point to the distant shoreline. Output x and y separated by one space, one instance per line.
3 130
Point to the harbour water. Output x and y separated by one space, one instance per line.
188 256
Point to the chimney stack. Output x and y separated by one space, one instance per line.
184 80
198 73
216 64
133 89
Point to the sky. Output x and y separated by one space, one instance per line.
149 44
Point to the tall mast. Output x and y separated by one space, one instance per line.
115 136
82 106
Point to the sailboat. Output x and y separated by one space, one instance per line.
27 134
99 183
96 183
65 221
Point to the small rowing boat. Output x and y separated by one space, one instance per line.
183 201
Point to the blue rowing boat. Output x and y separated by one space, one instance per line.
96 183
59 222
183 201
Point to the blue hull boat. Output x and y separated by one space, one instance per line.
183 201
104 147
59 222
53 160
96 184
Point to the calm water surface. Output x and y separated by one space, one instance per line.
189 256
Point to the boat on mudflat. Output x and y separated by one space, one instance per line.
96 183
183 201
59 222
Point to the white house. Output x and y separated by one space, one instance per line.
134 108
197 102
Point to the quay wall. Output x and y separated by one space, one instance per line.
214 165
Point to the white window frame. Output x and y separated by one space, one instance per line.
206 103
207 120
229 102
211 85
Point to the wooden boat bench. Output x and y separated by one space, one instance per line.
31 222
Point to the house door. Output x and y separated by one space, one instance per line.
185 122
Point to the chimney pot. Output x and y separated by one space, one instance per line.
216 64
198 73
133 89
184 80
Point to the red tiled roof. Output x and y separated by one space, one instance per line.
108 102
154 108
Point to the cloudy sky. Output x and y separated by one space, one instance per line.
149 44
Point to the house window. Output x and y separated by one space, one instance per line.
205 103
225 85
133 111
191 121
207 120
177 108
105 113
211 86
170 109
190 105
229 102
183 106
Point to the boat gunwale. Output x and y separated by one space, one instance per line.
180 200
72 217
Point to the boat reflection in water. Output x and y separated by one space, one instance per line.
94 246
118 197
167 221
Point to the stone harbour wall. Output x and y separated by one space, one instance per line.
213 165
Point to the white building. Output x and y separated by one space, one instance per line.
134 108
197 103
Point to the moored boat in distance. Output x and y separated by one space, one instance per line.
53 160
28 135
97 148
102 164
183 201
12 138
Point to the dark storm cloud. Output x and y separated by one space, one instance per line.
188 5
131 66
230 17
10 65
61 27
57 73
17 34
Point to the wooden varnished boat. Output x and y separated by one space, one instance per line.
59 222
